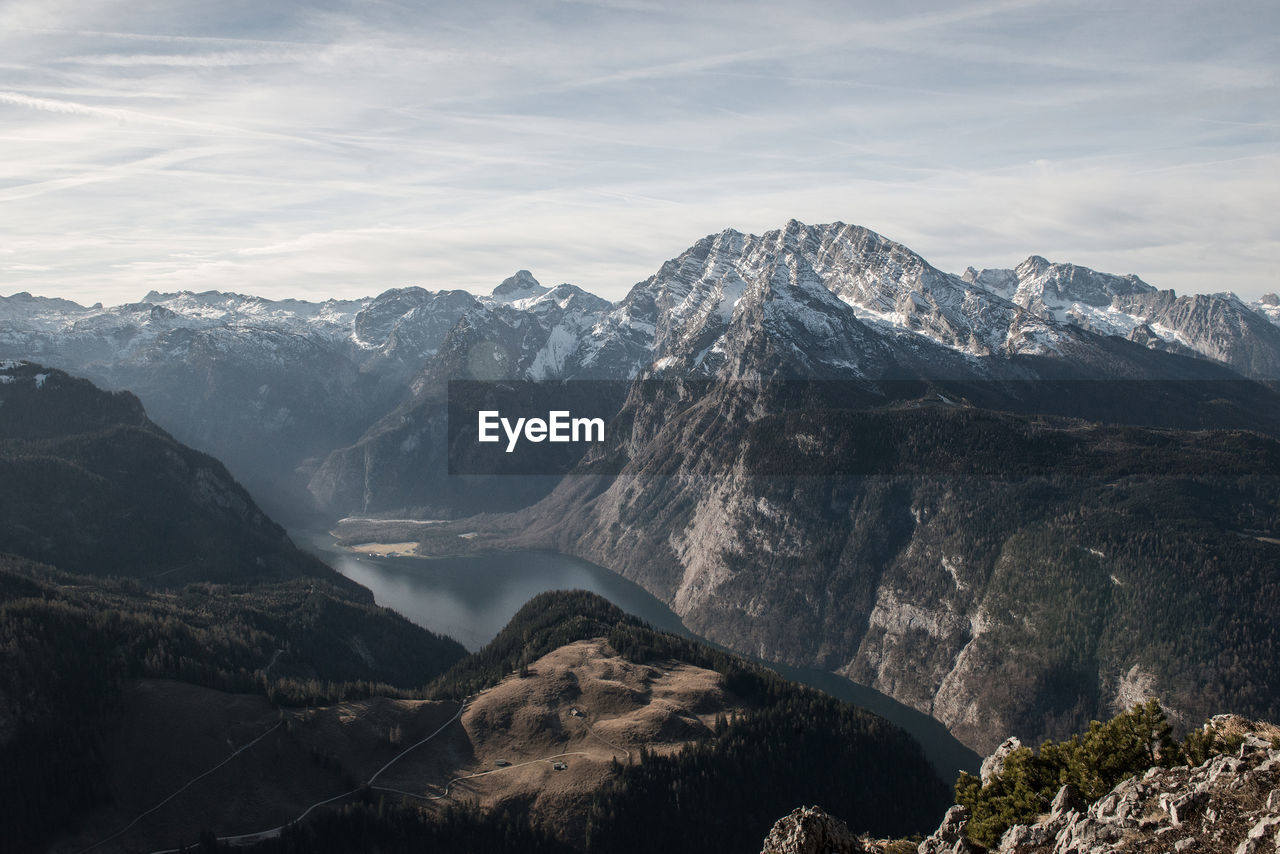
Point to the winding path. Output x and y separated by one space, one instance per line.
184 787
602 740
447 785
271 833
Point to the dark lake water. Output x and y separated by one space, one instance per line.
470 598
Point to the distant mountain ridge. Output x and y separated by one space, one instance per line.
273 385
883 280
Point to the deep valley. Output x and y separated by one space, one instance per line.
1015 501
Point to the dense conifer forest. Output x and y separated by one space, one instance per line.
68 643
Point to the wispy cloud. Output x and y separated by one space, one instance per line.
218 59
122 115
294 150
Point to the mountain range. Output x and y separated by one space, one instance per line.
291 394
971 452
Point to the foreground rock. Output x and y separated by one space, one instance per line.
949 838
809 830
1230 803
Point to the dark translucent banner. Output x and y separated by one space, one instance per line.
1006 429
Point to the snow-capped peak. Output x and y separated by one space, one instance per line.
1269 307
1055 290
521 286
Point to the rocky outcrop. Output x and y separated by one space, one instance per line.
949 838
1229 803
994 764
809 830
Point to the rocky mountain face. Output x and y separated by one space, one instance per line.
1228 803
891 547
843 301
1220 327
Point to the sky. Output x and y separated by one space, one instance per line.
337 149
